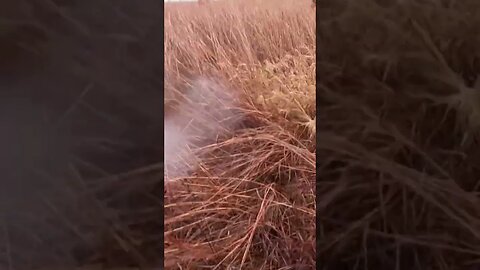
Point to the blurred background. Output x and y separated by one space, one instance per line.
80 132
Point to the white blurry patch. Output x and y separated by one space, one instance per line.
207 112
178 158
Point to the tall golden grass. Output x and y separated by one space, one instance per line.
250 202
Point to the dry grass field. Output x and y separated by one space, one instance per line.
398 142
398 110
240 76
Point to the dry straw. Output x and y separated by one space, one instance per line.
250 202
